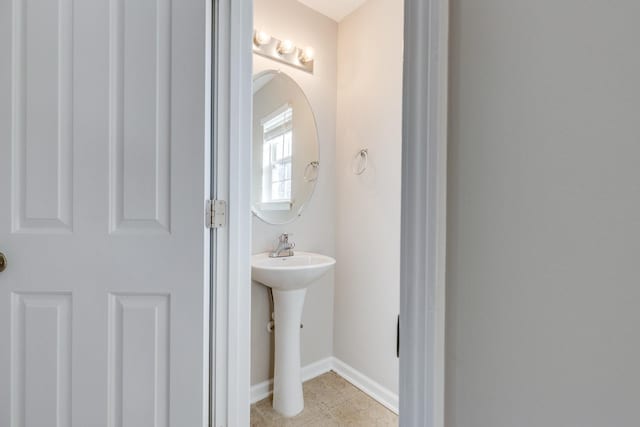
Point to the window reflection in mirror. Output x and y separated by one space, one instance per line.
277 156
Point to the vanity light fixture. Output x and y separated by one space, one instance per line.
285 47
260 38
284 51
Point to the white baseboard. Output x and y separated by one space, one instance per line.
264 389
377 392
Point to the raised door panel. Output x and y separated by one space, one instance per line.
41 359
42 116
138 355
139 97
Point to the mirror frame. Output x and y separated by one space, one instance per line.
255 212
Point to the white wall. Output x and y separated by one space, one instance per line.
315 229
543 279
368 206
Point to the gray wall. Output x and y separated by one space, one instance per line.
367 291
543 282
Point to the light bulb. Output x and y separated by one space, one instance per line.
261 38
306 55
285 47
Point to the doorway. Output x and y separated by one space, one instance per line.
424 147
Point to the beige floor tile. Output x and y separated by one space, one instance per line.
326 421
256 418
330 401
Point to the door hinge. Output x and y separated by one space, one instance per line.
216 214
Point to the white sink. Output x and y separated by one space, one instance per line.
288 277
290 273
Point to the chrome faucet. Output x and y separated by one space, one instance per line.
285 248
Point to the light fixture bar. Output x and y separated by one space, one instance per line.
284 51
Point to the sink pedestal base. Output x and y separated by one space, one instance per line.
287 381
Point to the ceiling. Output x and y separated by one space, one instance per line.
334 9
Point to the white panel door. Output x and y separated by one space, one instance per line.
103 304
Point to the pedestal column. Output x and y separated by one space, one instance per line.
287 381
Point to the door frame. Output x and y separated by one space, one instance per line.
424 203
423 247
231 104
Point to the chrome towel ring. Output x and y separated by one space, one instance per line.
360 161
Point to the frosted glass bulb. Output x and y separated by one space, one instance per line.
306 55
285 47
261 38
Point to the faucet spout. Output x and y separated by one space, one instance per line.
285 247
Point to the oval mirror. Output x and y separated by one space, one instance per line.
285 148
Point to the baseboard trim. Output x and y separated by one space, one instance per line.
376 391
264 389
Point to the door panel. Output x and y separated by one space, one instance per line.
140 96
103 305
41 359
139 352
41 87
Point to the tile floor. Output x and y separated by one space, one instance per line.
329 400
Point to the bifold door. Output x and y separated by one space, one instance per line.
102 188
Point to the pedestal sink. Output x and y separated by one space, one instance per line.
288 277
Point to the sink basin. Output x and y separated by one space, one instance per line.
290 273
288 277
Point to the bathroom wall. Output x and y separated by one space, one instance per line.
315 229
543 278
367 291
